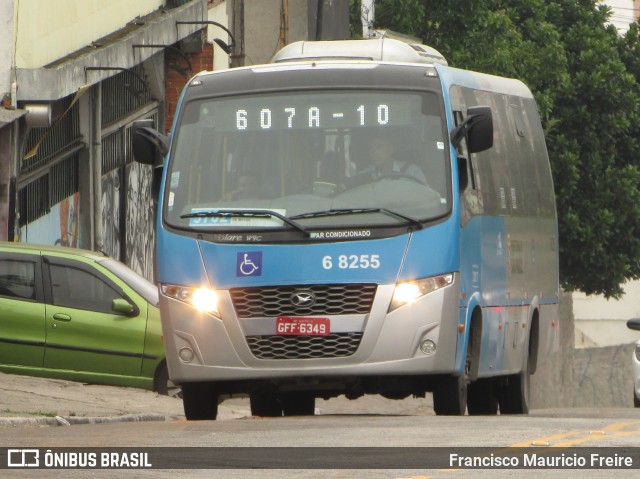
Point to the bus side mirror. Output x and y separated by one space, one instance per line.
147 143
156 180
634 324
477 128
463 174
480 135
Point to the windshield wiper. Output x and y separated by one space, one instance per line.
356 211
246 214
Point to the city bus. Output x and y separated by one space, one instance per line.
355 217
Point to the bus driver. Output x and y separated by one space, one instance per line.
383 163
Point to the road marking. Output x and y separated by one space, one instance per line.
579 437
618 429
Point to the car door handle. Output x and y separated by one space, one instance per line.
61 317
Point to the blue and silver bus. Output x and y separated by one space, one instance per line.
355 217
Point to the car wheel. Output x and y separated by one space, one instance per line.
163 385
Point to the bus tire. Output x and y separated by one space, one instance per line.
481 398
200 401
265 404
450 396
514 393
298 404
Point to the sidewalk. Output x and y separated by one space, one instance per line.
49 402
40 401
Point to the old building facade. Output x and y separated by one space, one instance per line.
75 75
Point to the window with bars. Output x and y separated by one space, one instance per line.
116 147
37 197
53 141
123 94
56 176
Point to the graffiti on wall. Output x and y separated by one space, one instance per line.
140 236
58 227
111 214
5 138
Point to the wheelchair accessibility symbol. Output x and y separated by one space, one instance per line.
249 264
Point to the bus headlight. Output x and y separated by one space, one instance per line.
203 299
408 292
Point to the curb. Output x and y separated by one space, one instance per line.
74 420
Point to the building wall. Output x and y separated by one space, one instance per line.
586 377
175 80
65 26
219 13
6 45
604 377
602 322
267 27
5 178
105 200
623 13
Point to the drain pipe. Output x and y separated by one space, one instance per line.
96 164
367 14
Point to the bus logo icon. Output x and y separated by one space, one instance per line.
23 458
303 299
249 264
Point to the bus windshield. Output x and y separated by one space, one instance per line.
326 159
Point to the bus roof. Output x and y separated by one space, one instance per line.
365 54
378 49
396 51
482 81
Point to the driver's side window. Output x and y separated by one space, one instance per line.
76 288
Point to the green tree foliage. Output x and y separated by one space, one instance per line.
586 80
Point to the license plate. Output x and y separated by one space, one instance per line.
302 326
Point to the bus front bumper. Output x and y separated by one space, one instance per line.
416 339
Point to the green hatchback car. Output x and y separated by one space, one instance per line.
67 313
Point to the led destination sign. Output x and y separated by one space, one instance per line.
325 110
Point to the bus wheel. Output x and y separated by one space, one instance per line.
200 401
265 404
482 398
298 404
514 394
450 396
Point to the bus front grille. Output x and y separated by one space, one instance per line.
327 299
335 345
